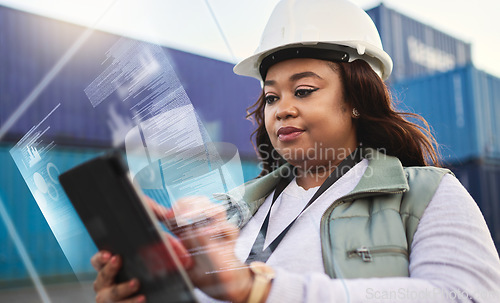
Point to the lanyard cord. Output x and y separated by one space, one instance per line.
258 253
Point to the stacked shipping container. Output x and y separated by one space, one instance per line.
434 76
417 49
32 45
461 105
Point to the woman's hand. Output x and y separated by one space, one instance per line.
206 252
210 239
106 289
107 266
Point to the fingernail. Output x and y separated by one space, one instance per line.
114 260
141 299
132 283
105 256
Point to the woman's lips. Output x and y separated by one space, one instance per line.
289 133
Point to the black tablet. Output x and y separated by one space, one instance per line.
118 220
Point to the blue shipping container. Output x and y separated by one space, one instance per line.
31 46
31 226
417 49
462 106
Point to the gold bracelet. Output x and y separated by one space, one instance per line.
263 275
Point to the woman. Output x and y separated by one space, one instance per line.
346 208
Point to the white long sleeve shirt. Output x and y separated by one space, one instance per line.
452 258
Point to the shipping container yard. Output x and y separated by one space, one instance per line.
433 76
462 106
418 49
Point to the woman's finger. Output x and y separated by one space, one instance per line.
106 275
180 251
100 259
136 299
189 210
225 231
162 213
120 293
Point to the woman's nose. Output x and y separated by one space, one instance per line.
286 109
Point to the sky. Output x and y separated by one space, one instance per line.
230 30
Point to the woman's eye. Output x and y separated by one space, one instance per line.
304 92
270 99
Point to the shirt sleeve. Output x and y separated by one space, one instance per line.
452 258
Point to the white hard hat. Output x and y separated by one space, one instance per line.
335 30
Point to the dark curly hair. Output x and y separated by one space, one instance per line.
379 126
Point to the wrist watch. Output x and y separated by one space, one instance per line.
263 274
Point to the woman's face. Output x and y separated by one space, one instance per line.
307 119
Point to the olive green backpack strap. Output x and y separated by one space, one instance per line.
423 182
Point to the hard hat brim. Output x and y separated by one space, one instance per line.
379 60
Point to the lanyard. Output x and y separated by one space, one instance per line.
258 253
